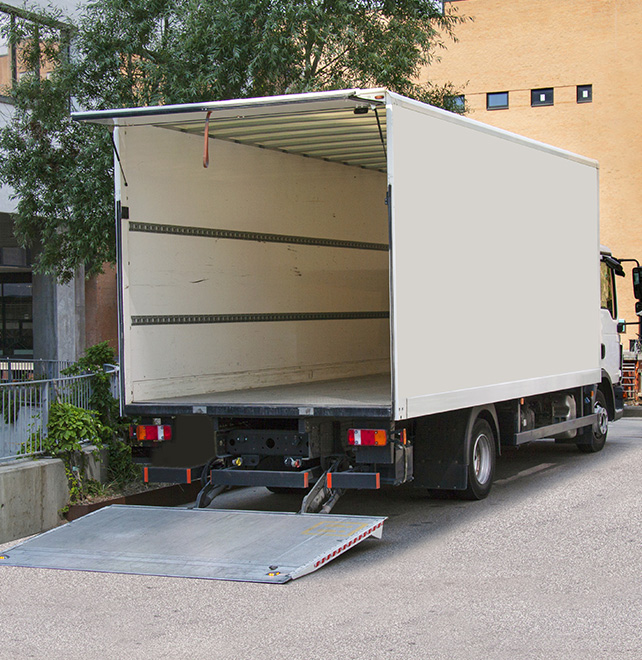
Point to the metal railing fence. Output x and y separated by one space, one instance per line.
14 369
25 409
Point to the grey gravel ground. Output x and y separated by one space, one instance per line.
547 567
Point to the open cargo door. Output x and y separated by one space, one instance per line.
481 266
216 544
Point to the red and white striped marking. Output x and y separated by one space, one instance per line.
348 545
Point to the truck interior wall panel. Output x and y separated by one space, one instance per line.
196 275
175 360
247 189
495 245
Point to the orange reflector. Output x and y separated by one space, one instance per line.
146 475
329 480
367 437
189 476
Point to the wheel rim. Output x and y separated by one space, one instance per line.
602 418
482 460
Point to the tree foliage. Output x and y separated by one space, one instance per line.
128 53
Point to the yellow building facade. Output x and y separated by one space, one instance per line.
569 73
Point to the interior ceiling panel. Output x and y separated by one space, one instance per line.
338 135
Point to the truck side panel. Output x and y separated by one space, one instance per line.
495 283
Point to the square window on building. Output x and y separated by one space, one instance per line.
542 96
584 93
456 103
496 100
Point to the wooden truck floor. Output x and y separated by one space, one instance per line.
348 393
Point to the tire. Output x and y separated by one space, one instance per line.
596 435
482 454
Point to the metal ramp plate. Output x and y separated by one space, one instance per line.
216 544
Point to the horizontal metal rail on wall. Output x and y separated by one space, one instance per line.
189 319
177 230
25 409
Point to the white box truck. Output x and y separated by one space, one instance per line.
358 290
350 289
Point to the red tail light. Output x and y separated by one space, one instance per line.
154 433
367 437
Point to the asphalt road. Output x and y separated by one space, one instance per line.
547 567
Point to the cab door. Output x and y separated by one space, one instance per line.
611 354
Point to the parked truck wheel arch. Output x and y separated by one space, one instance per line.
606 388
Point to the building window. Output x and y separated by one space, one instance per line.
456 103
542 96
496 100
584 93
16 316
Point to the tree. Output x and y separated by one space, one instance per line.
141 52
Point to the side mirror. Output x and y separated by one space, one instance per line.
621 326
637 282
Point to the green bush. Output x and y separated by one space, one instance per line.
68 428
120 469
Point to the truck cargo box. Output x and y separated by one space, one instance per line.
348 253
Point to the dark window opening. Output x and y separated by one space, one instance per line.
585 93
457 103
16 315
542 96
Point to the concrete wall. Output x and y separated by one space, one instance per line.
58 318
31 496
520 45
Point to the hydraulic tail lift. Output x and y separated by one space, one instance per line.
217 544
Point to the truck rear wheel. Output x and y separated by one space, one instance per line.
481 461
596 435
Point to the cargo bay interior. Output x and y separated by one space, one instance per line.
272 262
